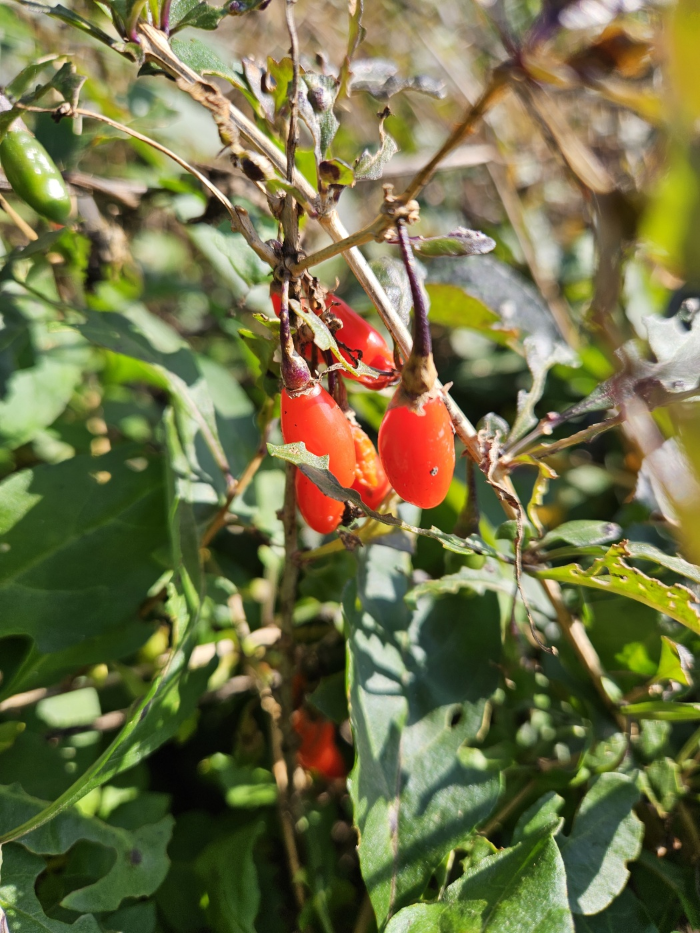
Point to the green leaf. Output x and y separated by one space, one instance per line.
198 15
610 574
336 172
20 909
663 785
419 682
625 913
542 816
460 242
451 306
243 786
74 19
231 257
521 889
673 663
641 551
205 61
139 334
227 870
606 835
141 861
582 533
27 76
78 543
665 710
37 395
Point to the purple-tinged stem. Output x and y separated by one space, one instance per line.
422 342
295 372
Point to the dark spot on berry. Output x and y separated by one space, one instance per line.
434 471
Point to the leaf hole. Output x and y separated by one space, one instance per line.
456 716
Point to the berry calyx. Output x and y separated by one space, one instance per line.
357 339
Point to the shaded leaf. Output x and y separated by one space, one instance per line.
227 870
606 835
418 686
79 542
625 913
198 15
20 909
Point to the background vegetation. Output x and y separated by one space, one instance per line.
522 758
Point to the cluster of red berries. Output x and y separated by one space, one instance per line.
416 438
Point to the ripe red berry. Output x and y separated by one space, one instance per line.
358 335
314 418
318 751
370 479
416 445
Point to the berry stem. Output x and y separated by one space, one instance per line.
418 375
295 372
422 342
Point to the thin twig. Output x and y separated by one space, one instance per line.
546 450
18 221
494 90
365 235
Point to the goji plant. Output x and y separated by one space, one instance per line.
349 467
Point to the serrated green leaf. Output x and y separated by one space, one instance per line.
610 574
521 889
418 686
606 835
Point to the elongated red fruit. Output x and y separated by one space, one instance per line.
416 445
314 418
371 480
356 334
